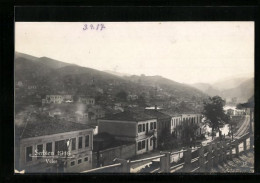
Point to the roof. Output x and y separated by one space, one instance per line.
157 114
171 113
48 127
130 116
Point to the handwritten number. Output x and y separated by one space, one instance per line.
92 27
102 27
85 27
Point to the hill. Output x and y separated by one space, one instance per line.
243 91
52 77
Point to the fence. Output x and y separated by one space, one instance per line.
199 159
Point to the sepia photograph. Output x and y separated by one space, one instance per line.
134 97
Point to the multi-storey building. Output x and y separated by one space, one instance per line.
56 99
163 121
179 119
195 119
53 146
136 127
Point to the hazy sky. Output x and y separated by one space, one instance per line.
187 52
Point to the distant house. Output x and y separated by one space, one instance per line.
86 100
31 87
132 97
136 127
97 111
53 146
20 83
230 112
57 99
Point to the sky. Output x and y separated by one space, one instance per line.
186 52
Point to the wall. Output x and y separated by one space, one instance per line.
40 165
106 157
118 128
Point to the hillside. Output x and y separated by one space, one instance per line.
178 90
243 91
52 77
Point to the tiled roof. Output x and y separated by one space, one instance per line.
157 114
130 116
48 127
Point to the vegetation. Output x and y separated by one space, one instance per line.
167 141
122 95
214 113
187 133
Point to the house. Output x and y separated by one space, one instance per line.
31 87
53 146
96 112
136 127
163 121
20 83
195 119
132 97
86 100
178 119
230 112
57 99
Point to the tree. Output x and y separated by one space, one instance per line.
187 131
167 141
214 113
121 95
141 101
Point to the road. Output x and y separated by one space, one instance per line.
243 128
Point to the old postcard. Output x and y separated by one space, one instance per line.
134 97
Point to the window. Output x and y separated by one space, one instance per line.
151 126
151 141
86 158
72 163
86 140
139 128
80 143
143 127
49 148
73 144
154 125
79 161
143 144
139 146
39 150
60 146
28 154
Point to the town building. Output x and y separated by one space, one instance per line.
53 146
86 100
178 120
195 119
56 99
132 97
163 121
137 127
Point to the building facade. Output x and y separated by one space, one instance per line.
62 149
136 127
